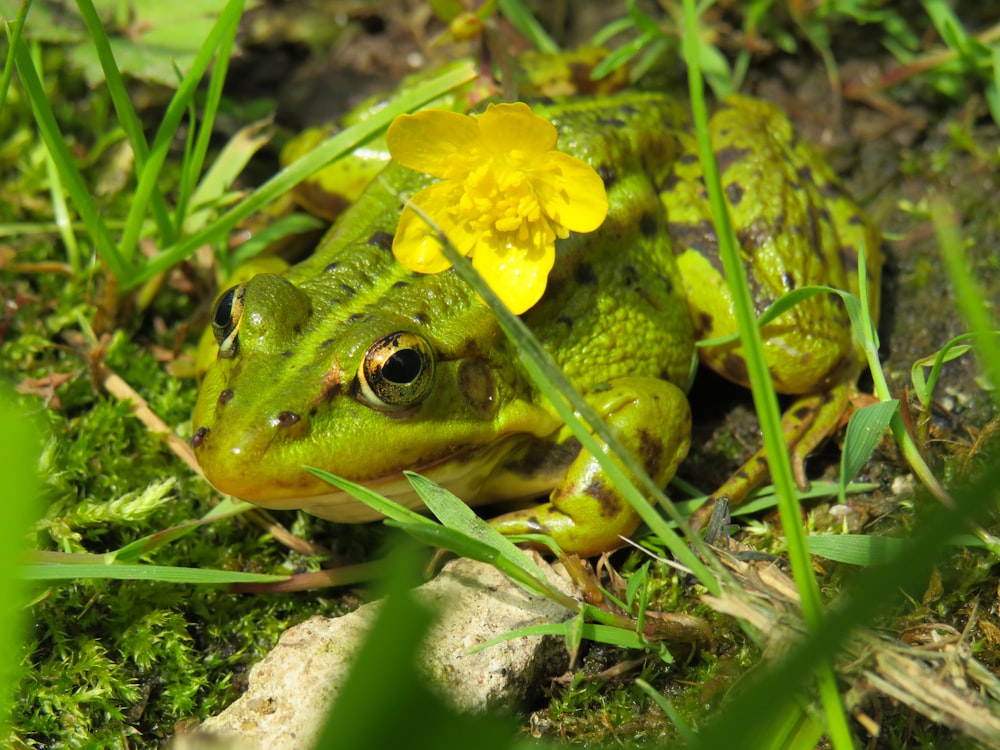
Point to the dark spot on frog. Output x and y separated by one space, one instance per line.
699 237
727 157
285 419
831 189
585 275
326 343
226 396
611 122
788 280
670 183
650 452
478 386
688 159
400 284
608 175
704 323
755 236
333 266
199 437
542 459
805 176
469 348
630 276
734 192
649 224
565 320
313 411
420 318
609 502
287 353
381 240
354 318
347 289
848 258
628 109
554 290
855 220
734 368
802 412
815 234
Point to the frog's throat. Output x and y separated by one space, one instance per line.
475 476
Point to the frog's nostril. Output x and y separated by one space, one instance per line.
199 437
285 419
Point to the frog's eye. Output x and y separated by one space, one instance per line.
396 372
226 319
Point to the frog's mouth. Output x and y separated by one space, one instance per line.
471 475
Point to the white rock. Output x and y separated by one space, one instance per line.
291 690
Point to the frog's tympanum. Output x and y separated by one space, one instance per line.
352 364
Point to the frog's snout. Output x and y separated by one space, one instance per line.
235 458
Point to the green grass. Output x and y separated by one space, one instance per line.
119 658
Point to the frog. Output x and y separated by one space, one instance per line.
350 363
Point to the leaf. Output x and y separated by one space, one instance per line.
856 549
864 431
456 514
924 386
160 38
484 545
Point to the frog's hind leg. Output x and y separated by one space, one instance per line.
809 421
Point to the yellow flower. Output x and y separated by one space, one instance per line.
504 196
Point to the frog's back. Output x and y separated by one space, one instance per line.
614 305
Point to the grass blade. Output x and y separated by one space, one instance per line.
304 168
192 166
127 117
57 571
19 451
224 29
54 141
764 397
968 296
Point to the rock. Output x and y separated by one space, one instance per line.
291 690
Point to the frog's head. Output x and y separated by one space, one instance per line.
425 385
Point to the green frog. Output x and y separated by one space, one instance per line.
350 363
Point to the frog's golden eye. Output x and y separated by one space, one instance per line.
396 372
226 318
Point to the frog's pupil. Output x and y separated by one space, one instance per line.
403 367
224 310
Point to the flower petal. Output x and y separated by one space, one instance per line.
435 141
416 244
570 192
507 128
518 275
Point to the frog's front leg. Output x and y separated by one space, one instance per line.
586 514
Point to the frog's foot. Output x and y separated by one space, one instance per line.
586 514
808 422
